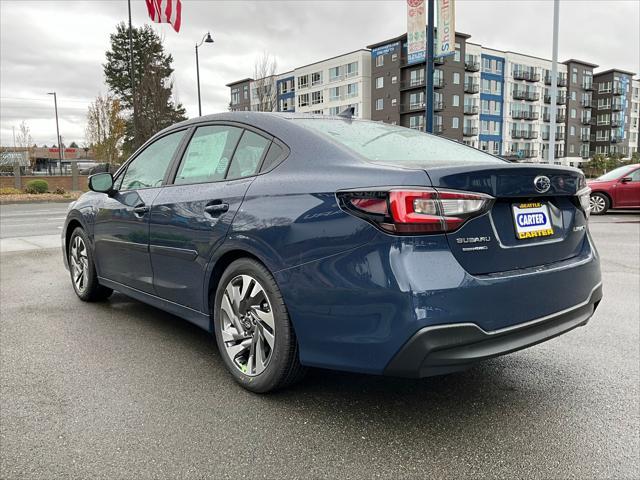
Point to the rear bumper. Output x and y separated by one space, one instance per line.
443 349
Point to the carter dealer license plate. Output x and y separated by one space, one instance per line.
532 220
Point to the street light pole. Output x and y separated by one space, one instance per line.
55 103
205 39
551 152
429 68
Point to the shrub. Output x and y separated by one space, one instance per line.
59 191
9 191
37 186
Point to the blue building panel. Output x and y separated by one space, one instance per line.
290 95
498 77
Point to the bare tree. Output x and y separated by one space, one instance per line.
264 73
105 128
24 142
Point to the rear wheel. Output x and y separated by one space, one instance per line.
599 203
253 330
82 269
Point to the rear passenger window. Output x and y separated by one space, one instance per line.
274 155
247 158
207 156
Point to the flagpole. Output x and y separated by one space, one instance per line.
429 68
133 101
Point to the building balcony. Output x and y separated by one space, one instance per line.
471 65
560 99
584 137
438 82
562 80
616 106
586 120
615 139
419 106
526 75
414 83
586 102
471 109
587 85
616 122
438 106
469 131
524 153
524 134
559 136
526 95
525 115
617 90
560 117
471 87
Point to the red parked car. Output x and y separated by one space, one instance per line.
620 188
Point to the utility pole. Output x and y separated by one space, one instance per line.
554 85
55 103
429 67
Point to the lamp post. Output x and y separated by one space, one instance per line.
55 103
205 39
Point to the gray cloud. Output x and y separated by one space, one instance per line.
47 45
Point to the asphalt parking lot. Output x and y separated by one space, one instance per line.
122 390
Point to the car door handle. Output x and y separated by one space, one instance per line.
216 208
140 210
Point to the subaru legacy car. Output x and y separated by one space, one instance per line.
313 241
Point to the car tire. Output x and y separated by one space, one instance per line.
82 269
250 318
599 203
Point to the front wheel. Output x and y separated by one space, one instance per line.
82 269
599 203
253 331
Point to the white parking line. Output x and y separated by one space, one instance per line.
38 242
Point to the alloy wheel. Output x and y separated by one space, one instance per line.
247 325
79 263
597 204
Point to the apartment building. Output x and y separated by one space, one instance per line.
612 98
327 87
496 101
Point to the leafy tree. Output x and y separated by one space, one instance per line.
105 128
73 145
154 105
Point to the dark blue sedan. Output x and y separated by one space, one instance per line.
310 241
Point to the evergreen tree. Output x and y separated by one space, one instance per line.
154 105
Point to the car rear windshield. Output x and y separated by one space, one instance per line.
392 145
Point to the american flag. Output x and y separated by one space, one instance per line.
166 11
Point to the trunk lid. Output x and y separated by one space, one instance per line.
535 219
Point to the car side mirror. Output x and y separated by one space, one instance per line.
101 182
626 179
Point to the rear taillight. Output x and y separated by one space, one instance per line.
584 198
415 211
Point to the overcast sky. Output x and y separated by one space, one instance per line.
57 45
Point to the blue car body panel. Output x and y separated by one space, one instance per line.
355 295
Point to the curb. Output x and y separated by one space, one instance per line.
19 202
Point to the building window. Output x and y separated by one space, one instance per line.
455 101
571 148
394 57
303 81
379 104
334 93
572 130
352 69
416 122
235 96
379 82
334 74
394 102
486 65
303 100
573 95
455 122
316 97
352 90
456 78
316 79
573 113
245 92
456 55
394 79
379 60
